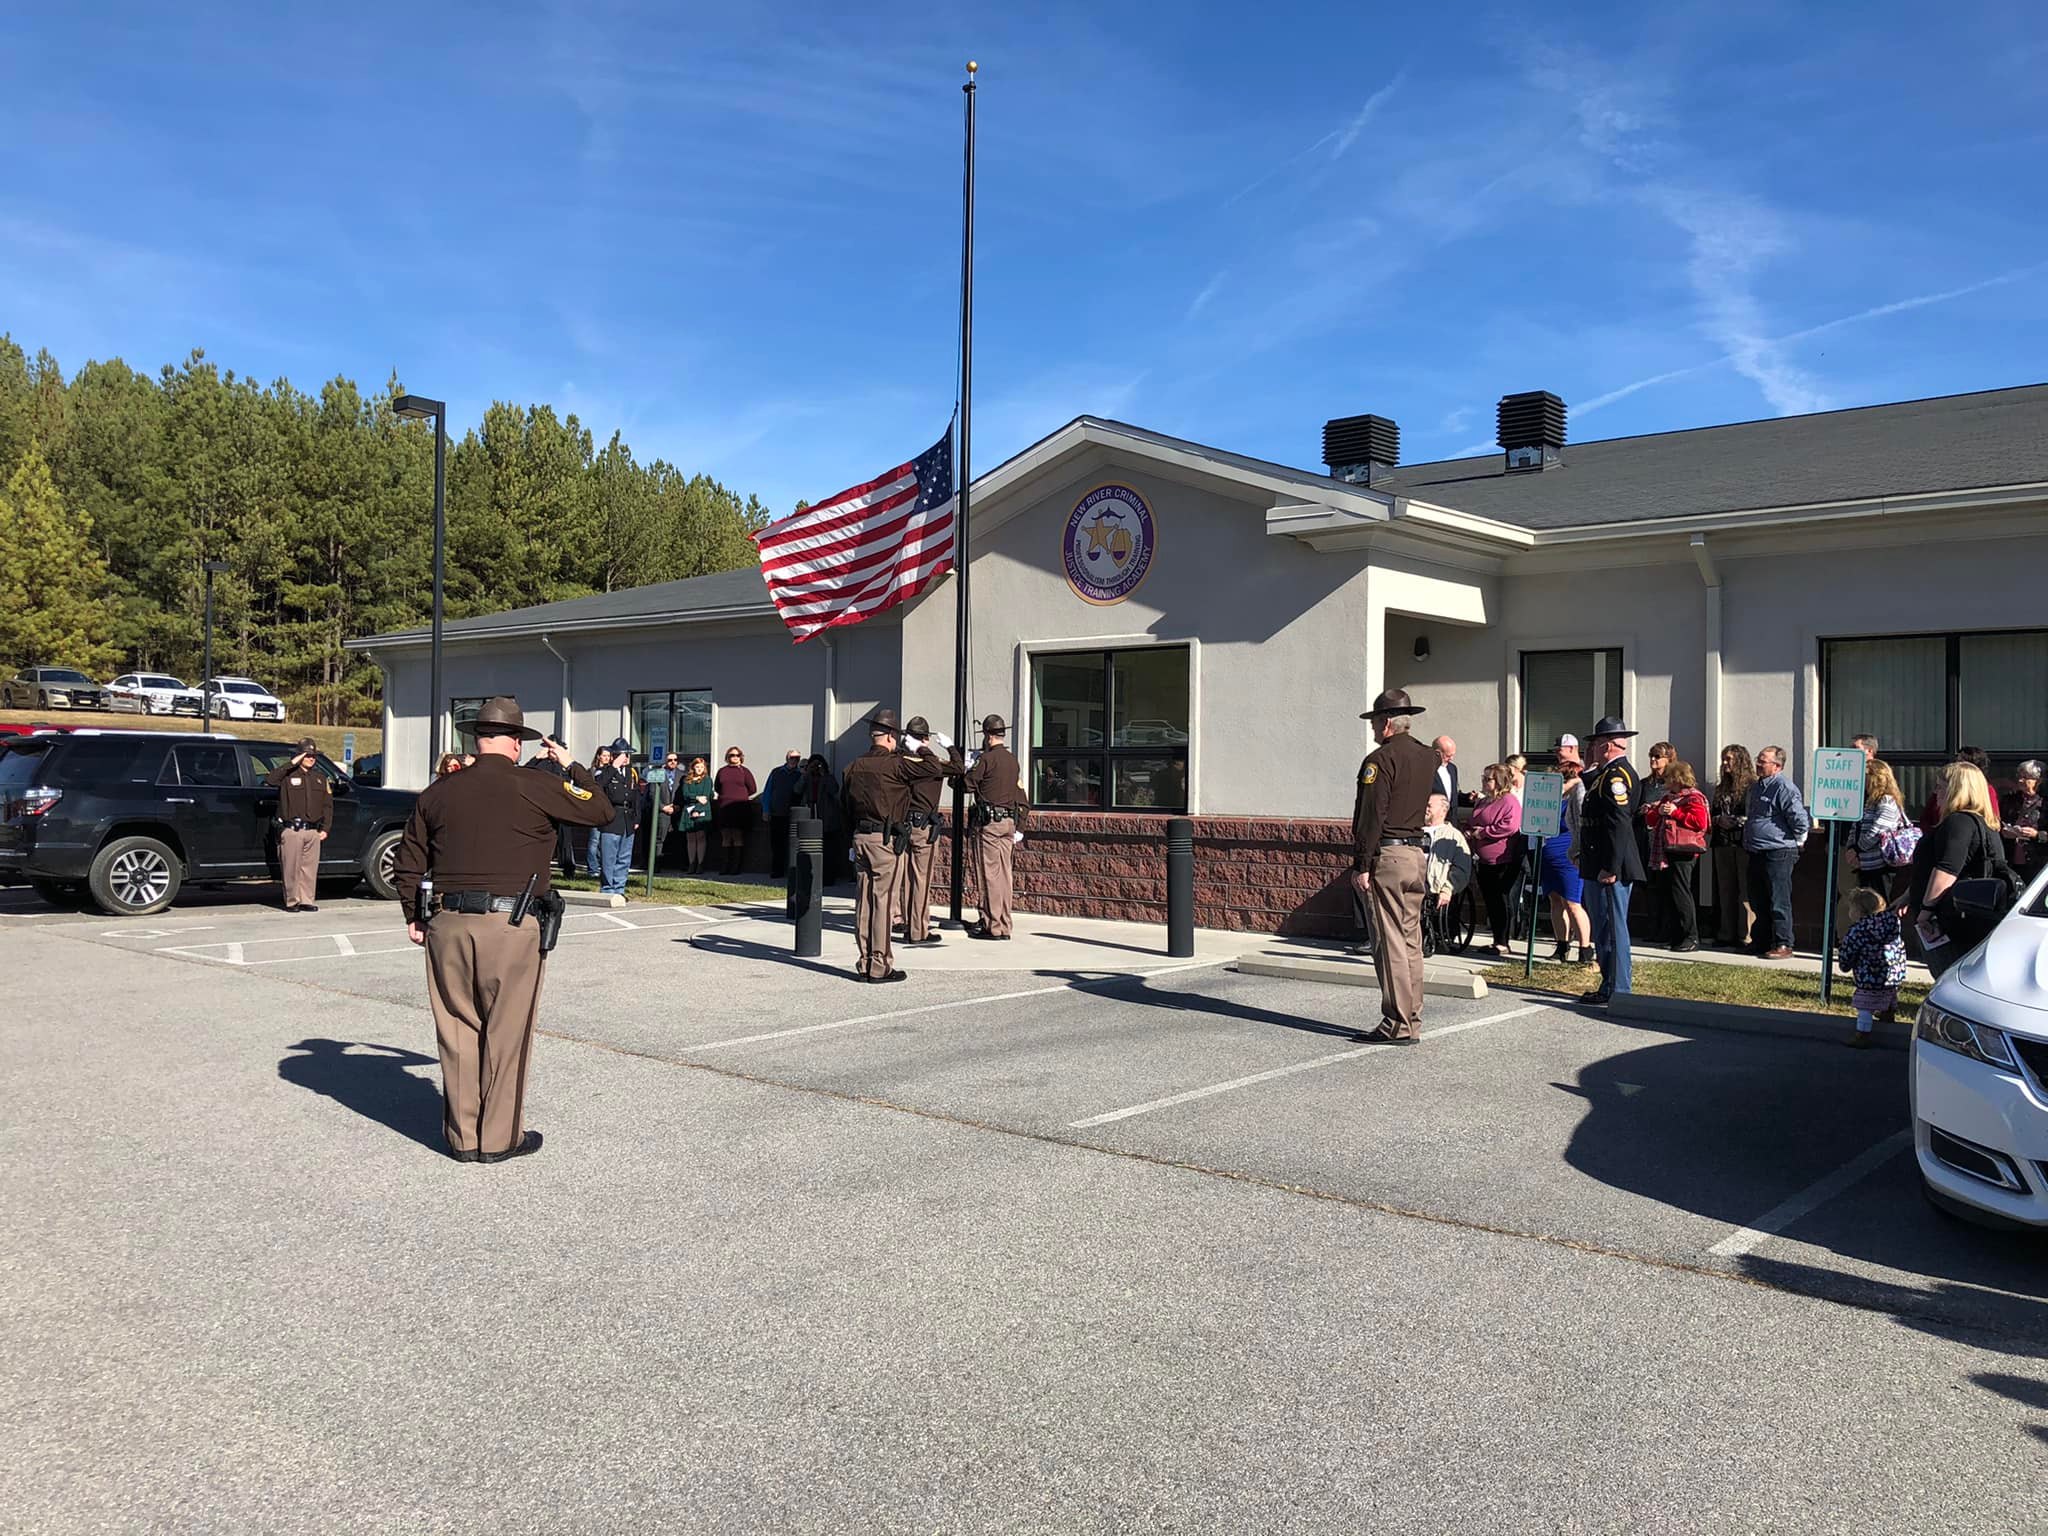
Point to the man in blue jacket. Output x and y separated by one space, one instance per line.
776 796
1772 837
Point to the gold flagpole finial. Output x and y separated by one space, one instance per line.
972 66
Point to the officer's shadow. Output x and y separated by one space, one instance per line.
372 1080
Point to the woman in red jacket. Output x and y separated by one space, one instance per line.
1495 821
1678 836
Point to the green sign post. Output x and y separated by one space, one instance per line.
1834 794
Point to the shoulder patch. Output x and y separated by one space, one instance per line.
1371 775
1617 786
576 790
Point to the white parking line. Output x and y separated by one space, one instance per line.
344 945
221 952
1288 1071
958 1002
1746 1239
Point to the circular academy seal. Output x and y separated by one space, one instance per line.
1108 545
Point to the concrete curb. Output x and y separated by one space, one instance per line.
1788 1022
591 899
1436 982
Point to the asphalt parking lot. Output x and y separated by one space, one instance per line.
990 1250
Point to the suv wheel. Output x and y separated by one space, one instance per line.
42 699
135 875
380 867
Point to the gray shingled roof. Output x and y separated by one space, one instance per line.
742 588
1956 442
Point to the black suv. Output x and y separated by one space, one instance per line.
126 817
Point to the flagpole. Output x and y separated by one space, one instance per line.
966 478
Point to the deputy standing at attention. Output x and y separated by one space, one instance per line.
914 880
486 836
305 806
1391 859
877 800
1609 859
998 785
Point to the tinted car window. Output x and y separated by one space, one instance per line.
18 767
59 675
106 760
208 766
161 682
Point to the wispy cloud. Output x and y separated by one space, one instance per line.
1201 300
1337 140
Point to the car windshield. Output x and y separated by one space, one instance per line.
58 675
241 688
161 682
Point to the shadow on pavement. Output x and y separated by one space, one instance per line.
1136 987
373 1081
753 949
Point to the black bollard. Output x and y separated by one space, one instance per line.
807 885
1180 888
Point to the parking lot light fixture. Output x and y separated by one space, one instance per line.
419 408
212 568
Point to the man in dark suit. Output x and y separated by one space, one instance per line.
1609 859
1447 769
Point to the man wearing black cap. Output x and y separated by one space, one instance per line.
1609 860
487 835
877 796
998 785
305 805
1391 859
914 881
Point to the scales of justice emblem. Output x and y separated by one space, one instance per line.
1109 543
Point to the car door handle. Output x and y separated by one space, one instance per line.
177 799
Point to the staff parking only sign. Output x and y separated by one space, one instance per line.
1835 787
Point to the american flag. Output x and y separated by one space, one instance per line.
865 550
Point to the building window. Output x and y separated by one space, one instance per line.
674 720
1924 697
462 715
1564 693
1109 729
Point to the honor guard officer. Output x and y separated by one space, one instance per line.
877 801
1392 858
1609 860
998 785
913 906
486 836
305 806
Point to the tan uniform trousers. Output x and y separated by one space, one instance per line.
298 857
914 885
483 983
875 871
1397 896
992 846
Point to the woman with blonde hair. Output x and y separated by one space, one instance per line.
1881 846
1962 845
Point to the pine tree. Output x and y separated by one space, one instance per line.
51 577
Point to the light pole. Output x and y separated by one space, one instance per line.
418 408
212 568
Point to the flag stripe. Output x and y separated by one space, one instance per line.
883 520
836 513
877 574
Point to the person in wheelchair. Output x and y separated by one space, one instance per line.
1446 878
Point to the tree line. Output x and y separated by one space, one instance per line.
115 488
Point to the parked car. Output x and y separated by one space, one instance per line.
123 818
242 698
151 693
1979 1081
51 688
369 770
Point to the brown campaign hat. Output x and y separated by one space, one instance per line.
1609 726
1393 702
502 717
307 744
885 720
994 726
918 726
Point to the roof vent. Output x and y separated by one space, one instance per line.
1532 429
1361 449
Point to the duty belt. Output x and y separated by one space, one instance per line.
1404 842
998 813
297 824
475 902
922 819
884 828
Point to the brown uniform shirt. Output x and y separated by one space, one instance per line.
878 784
996 779
925 791
1394 786
491 826
303 794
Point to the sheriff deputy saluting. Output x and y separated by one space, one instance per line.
877 799
914 879
305 805
1391 859
998 785
487 835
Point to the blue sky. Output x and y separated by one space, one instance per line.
732 232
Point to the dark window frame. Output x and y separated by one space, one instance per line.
1105 757
1543 754
710 754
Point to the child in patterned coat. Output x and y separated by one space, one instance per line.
1874 952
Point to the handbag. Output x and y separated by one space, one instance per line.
1683 839
1899 845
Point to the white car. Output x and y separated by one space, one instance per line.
242 698
1980 1074
152 693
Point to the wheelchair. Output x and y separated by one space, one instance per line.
1448 929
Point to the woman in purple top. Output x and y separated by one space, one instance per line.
732 808
1495 821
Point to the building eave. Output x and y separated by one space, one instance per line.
414 639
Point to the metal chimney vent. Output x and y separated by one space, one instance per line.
1361 448
1532 429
